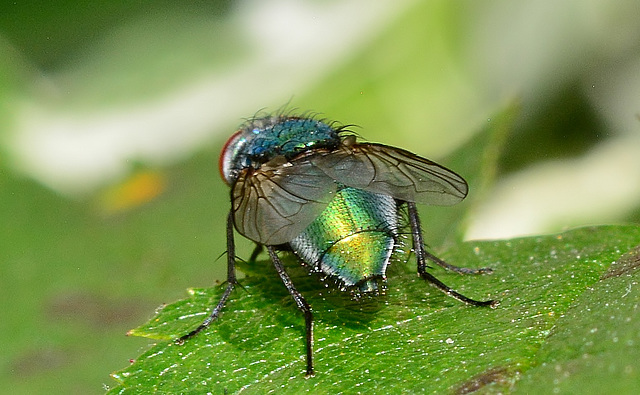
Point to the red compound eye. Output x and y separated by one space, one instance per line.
226 156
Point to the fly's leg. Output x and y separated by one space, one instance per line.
422 255
255 253
300 302
454 268
231 283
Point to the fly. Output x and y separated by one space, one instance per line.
301 184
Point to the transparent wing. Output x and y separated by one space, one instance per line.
392 171
274 204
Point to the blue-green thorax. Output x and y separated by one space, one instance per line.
266 138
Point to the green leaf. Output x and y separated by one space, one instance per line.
594 348
554 290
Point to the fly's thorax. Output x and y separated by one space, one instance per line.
263 139
352 239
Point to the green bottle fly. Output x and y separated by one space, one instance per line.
300 184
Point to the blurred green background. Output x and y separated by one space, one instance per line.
112 116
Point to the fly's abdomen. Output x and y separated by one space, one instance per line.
352 239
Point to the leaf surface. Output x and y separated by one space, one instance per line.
414 338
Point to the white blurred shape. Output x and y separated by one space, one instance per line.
599 186
292 44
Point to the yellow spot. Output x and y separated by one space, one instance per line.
139 189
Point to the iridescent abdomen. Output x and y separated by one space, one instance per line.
352 238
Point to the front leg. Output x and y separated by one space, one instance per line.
231 283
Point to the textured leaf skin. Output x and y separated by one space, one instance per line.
414 338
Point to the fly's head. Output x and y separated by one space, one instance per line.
264 140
